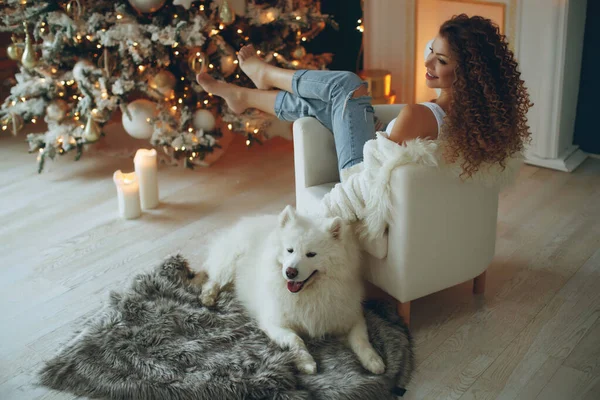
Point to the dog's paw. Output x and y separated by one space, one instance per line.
306 364
373 363
308 368
209 294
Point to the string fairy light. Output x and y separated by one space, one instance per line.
360 27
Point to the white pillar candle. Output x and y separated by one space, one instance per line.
147 174
128 194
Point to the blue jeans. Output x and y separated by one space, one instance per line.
327 96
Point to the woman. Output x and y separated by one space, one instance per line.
480 113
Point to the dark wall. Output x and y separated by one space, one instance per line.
587 132
343 43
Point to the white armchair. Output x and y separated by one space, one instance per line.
442 231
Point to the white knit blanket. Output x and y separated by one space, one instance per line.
365 191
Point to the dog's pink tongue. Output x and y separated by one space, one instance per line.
294 287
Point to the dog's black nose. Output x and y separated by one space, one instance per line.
291 272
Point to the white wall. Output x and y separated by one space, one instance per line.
389 42
550 49
547 36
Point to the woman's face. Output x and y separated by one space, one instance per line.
440 65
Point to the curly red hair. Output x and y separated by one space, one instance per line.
486 121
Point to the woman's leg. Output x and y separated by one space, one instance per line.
264 75
279 103
350 114
338 99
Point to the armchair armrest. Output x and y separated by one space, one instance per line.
387 112
315 159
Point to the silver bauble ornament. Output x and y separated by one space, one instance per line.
147 6
137 123
203 119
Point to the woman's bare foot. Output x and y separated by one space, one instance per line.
253 66
233 94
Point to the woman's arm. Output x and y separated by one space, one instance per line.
414 121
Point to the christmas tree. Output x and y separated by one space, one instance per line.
83 60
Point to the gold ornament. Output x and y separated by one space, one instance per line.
29 58
197 60
228 65
163 82
74 9
12 121
299 52
107 62
92 131
14 51
226 13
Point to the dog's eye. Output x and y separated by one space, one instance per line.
311 254
290 250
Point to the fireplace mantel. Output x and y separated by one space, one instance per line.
547 37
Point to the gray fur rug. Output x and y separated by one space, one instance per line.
156 341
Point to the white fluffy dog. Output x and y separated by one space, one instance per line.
296 276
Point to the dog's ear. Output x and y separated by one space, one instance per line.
287 215
335 227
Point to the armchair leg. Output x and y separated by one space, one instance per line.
404 311
479 283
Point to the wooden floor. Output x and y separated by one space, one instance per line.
534 334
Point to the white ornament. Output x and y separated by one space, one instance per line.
147 6
138 126
204 119
184 3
